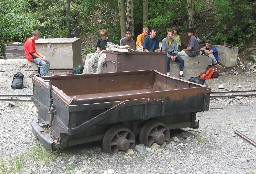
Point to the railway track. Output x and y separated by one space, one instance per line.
224 94
25 98
231 94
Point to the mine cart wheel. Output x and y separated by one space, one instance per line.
154 132
118 138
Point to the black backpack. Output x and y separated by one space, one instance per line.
17 81
197 80
78 69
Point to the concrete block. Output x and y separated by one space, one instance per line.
63 53
193 66
227 56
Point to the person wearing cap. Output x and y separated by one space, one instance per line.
192 49
170 47
127 40
141 37
151 43
33 56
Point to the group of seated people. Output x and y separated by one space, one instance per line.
148 41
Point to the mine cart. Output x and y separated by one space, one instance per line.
133 61
121 109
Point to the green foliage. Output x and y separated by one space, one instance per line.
232 20
167 14
70 167
16 20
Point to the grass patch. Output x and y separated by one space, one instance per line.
39 153
70 167
12 166
36 153
201 140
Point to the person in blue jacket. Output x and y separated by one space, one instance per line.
151 43
211 52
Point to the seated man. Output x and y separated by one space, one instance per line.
33 56
140 38
151 43
193 46
170 46
211 52
176 36
102 42
127 40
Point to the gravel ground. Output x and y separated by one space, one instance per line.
213 148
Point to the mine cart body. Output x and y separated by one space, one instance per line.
75 109
133 61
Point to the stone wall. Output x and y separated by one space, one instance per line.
228 56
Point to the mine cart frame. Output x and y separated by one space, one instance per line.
145 108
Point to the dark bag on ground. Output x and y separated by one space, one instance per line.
17 81
78 69
197 80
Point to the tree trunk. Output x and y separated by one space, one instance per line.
191 11
121 8
129 16
145 12
68 18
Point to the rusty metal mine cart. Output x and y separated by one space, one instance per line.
121 109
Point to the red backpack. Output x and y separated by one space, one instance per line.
211 72
207 74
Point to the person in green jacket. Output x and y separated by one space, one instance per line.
176 36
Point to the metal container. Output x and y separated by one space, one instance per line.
114 108
133 61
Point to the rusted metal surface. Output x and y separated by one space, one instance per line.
13 51
252 142
133 61
81 108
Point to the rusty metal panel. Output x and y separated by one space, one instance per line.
134 61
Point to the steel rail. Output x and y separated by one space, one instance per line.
9 97
221 94
233 95
227 92
214 94
17 95
252 142
15 99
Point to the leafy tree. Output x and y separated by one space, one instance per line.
233 19
16 20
